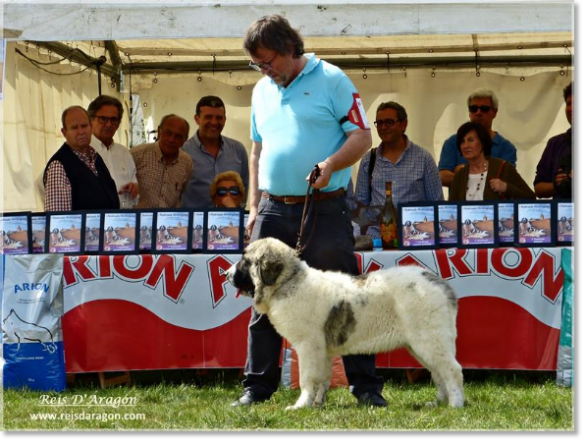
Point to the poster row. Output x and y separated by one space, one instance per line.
124 232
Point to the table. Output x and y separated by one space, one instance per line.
146 312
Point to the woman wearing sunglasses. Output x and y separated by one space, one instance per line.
484 177
227 190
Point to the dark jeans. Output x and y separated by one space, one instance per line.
330 248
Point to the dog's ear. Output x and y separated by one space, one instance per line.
269 270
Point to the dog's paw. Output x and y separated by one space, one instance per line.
292 407
432 404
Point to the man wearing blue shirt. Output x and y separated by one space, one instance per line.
411 168
304 112
483 108
212 153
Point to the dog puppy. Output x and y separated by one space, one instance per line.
327 314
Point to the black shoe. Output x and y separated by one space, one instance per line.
247 399
372 399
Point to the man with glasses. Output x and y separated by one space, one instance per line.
211 153
483 108
106 114
305 112
227 190
411 168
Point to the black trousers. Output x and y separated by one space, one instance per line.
330 248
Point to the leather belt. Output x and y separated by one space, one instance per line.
298 199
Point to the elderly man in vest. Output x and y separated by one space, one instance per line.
76 177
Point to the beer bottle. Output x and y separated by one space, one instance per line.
389 221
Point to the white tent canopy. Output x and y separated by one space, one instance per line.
427 55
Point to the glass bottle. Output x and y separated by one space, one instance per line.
389 221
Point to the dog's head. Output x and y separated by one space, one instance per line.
265 264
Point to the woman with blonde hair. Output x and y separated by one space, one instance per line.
227 190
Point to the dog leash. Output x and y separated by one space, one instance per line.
310 200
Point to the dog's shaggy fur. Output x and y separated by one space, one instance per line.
326 314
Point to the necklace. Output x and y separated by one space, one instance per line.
470 195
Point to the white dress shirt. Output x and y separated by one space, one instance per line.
121 166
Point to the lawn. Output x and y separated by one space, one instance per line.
187 400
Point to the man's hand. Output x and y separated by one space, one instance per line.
251 219
561 176
326 170
131 189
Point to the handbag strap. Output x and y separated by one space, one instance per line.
502 196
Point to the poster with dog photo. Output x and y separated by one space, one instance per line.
534 223
64 233
15 233
448 225
417 226
92 232
506 223
172 233
224 231
247 234
39 227
119 232
197 238
565 223
145 233
477 225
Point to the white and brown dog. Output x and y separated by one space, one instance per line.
326 314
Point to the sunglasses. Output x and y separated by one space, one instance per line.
473 109
104 120
267 65
223 191
387 122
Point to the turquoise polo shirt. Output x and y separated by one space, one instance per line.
302 125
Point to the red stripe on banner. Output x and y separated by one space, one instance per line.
494 333
115 335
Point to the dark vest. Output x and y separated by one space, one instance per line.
88 191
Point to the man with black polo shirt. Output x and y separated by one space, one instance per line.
76 177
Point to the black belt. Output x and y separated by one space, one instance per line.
298 199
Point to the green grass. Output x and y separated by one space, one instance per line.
181 400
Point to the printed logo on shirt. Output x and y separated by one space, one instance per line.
357 114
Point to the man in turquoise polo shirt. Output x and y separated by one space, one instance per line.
304 112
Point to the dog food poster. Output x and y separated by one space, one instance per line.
448 224
145 239
506 222
92 232
477 225
14 234
197 242
246 232
65 233
534 223
39 224
566 229
418 226
171 230
120 232
223 231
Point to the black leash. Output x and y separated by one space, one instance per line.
310 200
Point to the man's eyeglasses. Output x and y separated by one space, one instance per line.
473 109
267 65
387 122
223 191
104 120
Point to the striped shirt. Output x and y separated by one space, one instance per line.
58 188
161 184
414 177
